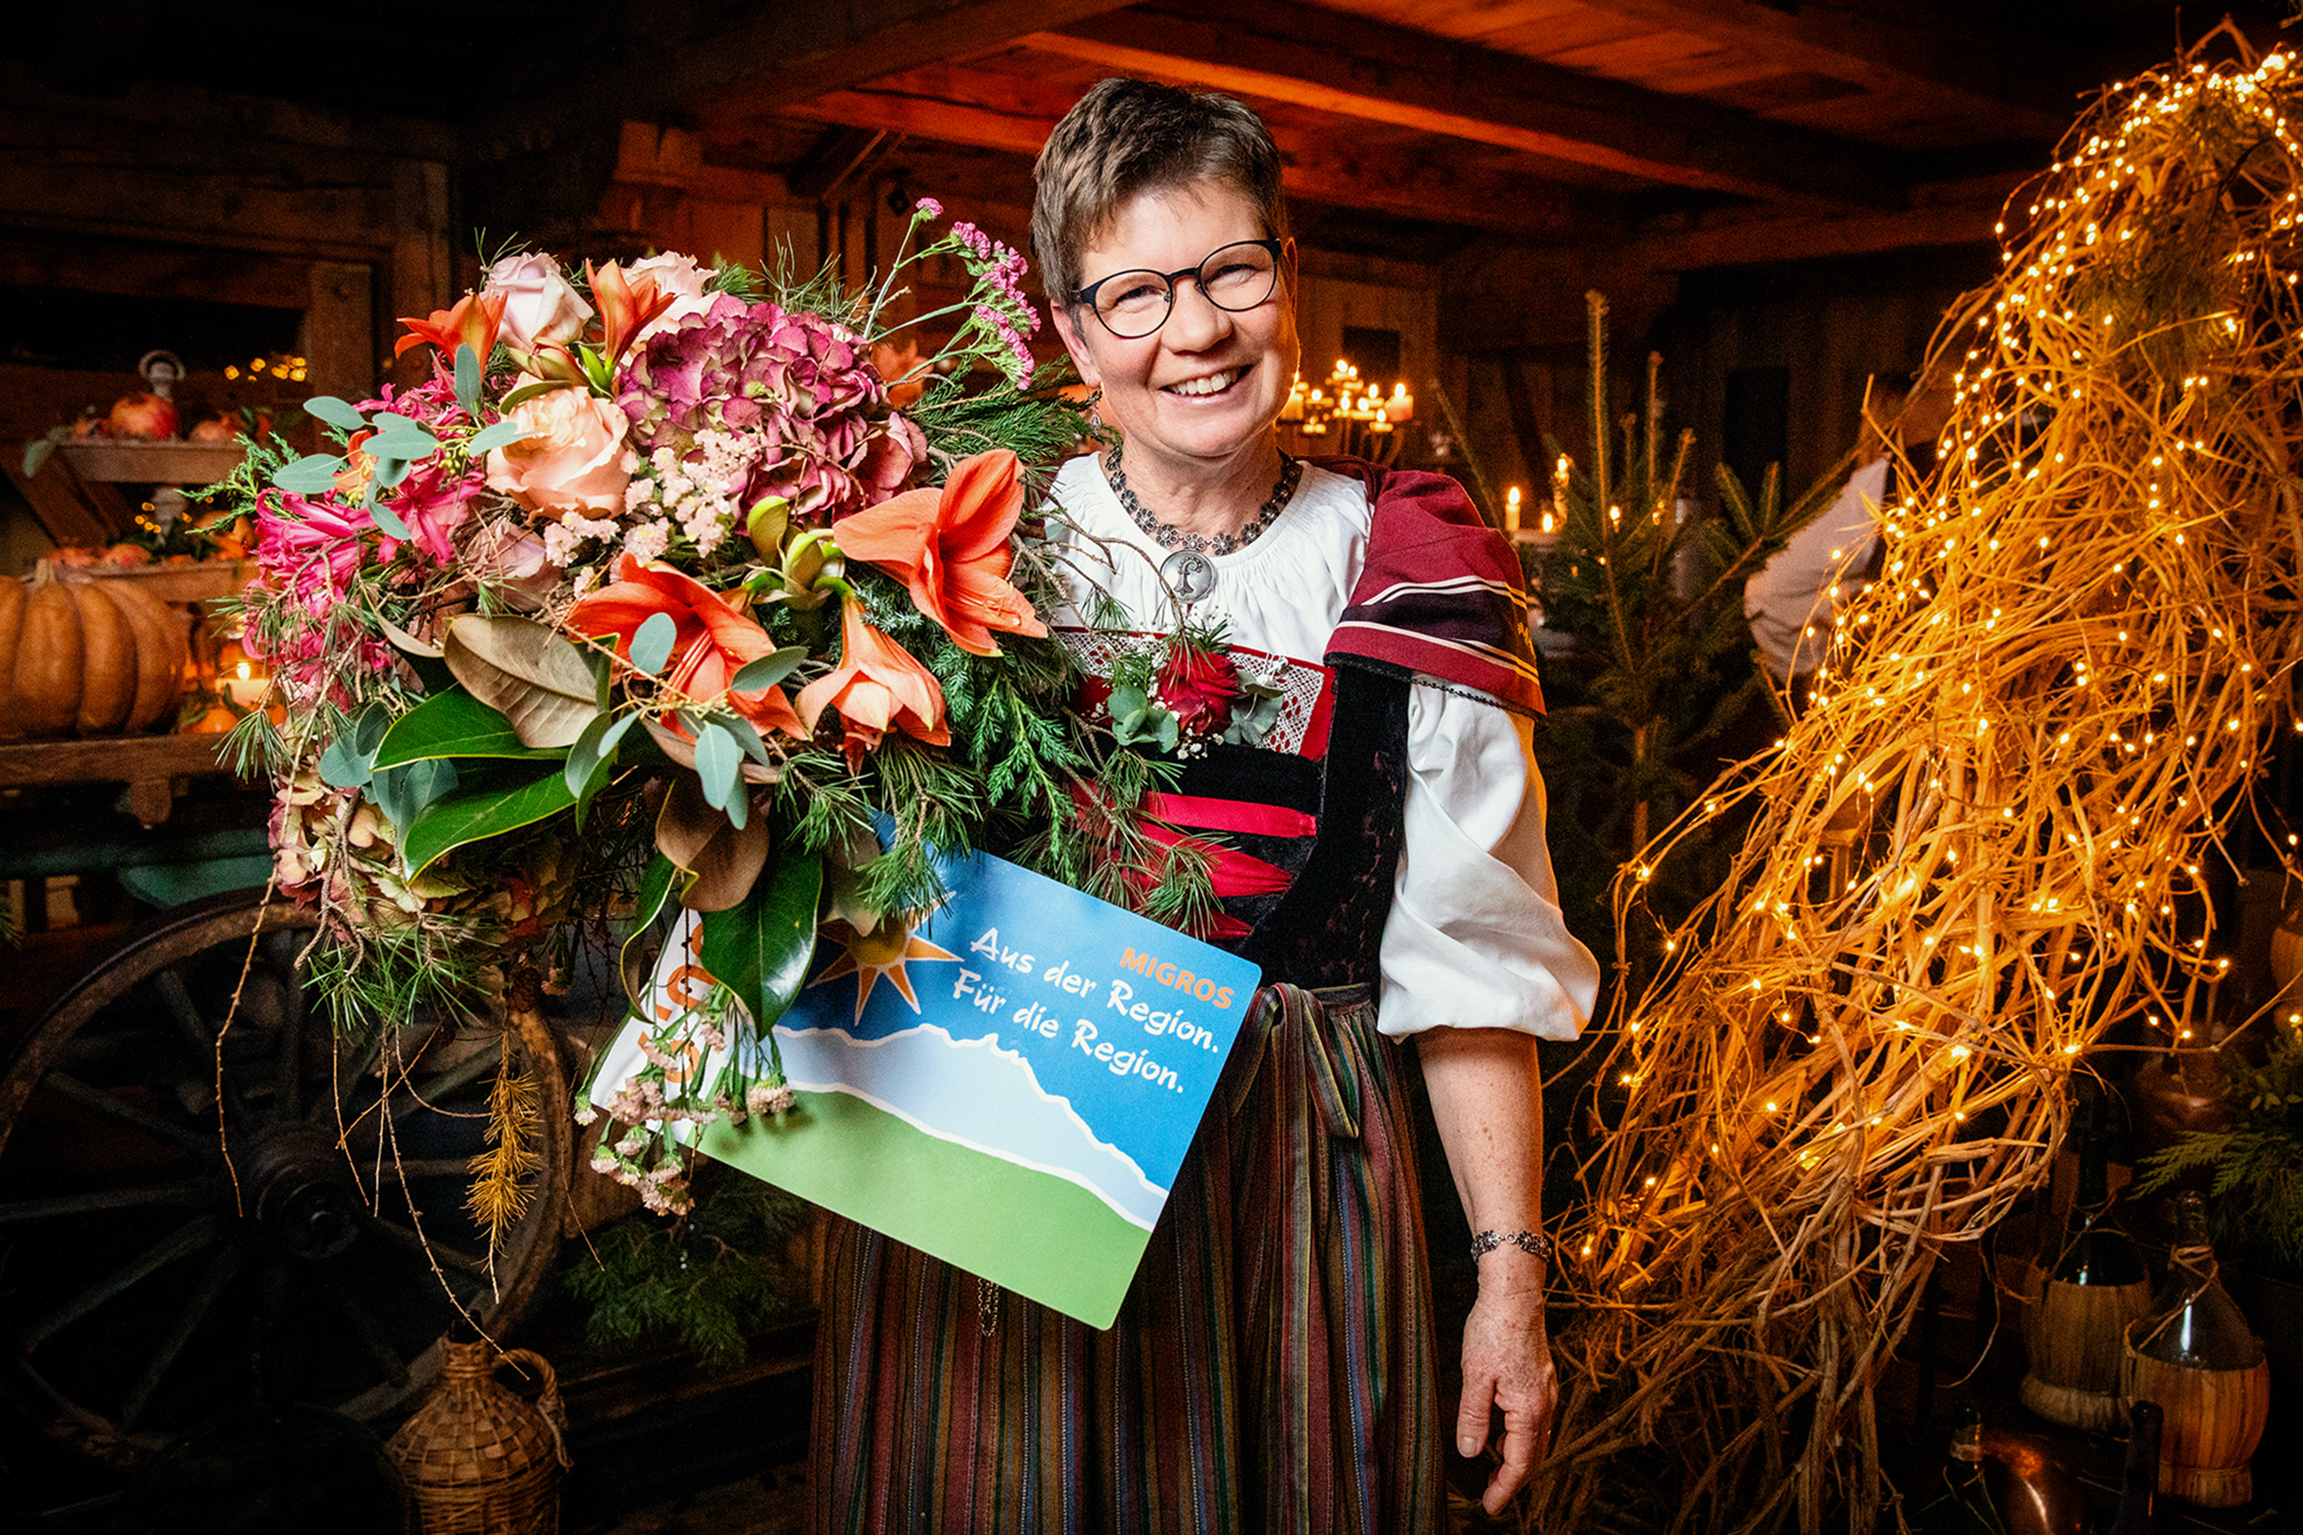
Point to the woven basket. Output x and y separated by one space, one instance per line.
478 1459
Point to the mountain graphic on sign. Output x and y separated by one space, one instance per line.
976 1094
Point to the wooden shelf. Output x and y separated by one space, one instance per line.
153 463
148 765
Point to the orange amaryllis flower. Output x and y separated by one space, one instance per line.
950 546
474 320
711 640
625 306
877 685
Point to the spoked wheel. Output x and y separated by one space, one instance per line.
161 1256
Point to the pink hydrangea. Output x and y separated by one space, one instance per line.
798 390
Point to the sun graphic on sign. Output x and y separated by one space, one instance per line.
880 954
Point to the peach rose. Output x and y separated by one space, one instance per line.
538 303
574 460
679 276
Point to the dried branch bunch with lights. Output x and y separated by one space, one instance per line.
1981 847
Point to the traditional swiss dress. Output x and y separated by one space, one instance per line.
1383 860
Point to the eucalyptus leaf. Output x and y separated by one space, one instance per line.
467 378
337 413
483 813
455 724
368 731
342 766
403 793
760 947
652 646
525 669
398 437
387 520
311 475
498 434
718 758
593 754
747 736
768 670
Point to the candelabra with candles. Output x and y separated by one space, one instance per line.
1345 414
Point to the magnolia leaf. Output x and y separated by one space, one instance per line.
496 436
724 858
652 646
312 475
527 392
760 948
467 378
455 724
768 670
404 641
717 759
525 669
337 413
658 883
488 812
592 760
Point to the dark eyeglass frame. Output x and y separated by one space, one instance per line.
1276 248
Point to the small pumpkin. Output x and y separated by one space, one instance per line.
87 657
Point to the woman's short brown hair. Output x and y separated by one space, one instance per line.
1129 136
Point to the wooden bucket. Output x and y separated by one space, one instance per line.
2215 1419
2076 1335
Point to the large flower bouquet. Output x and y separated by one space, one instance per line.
659 591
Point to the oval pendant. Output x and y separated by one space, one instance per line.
1189 574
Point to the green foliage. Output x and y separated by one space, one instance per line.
1661 671
704 1282
2257 1190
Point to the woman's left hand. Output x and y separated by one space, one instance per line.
1507 1369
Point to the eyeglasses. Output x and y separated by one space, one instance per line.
1134 304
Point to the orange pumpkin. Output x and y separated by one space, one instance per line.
87 657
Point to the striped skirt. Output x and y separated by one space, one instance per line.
1271 1369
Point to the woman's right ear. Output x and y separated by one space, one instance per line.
1082 358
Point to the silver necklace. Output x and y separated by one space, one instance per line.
1190 570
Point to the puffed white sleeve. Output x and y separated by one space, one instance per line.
1476 939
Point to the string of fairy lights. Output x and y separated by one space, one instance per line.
1980 847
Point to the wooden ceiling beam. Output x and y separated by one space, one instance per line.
779 54
1955 214
1907 48
1317 169
1358 68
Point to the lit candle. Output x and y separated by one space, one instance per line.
1402 404
247 689
1511 510
1293 409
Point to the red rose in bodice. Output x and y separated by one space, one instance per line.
1199 687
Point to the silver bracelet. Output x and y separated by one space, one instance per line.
1534 1243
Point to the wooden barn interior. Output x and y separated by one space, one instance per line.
1778 198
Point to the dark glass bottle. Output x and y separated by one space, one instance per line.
1963 1504
2139 1485
2094 1251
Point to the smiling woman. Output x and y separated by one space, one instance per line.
1360 786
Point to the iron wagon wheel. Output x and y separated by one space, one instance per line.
161 1255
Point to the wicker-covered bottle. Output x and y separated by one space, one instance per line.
480 1460
2197 1358
2093 1285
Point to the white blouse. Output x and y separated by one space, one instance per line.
1475 938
